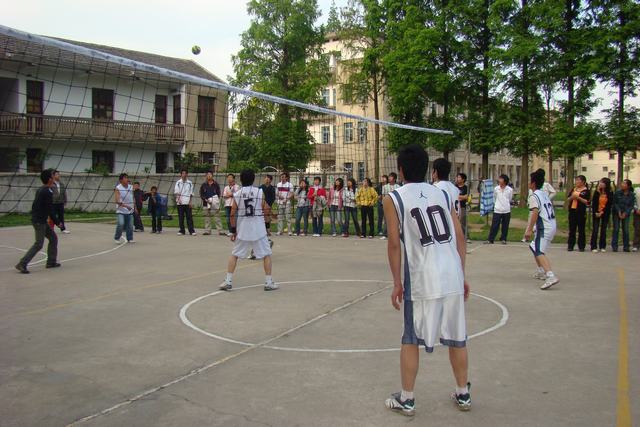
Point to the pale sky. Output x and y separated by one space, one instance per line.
165 27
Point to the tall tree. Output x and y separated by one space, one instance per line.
618 46
362 32
281 55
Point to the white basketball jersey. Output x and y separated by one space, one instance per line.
546 223
250 224
432 265
452 191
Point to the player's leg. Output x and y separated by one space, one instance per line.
544 261
206 212
615 232
39 230
119 226
332 219
280 218
231 268
189 215
181 219
289 214
128 227
217 221
594 234
495 223
582 223
506 219
52 248
453 333
403 402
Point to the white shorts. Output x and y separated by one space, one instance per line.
426 321
261 248
540 243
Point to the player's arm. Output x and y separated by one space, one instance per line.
461 246
533 218
266 211
393 250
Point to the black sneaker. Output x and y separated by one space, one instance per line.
408 407
22 268
463 400
53 265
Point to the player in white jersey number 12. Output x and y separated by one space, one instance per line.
422 224
249 213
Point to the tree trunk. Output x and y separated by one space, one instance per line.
570 172
621 85
524 180
485 165
550 176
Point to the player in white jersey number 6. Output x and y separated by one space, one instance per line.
422 223
249 212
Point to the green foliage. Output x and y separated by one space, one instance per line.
190 162
99 169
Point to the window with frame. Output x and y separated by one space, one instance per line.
362 132
590 156
634 155
348 133
612 156
360 171
10 159
349 167
102 159
161 162
177 109
326 134
206 113
605 169
35 97
326 97
102 104
35 159
208 158
335 97
584 168
161 109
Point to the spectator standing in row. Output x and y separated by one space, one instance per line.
578 200
318 200
391 185
284 198
269 192
502 194
210 196
183 192
623 204
41 212
335 206
155 210
601 203
350 209
302 207
366 198
384 179
461 183
59 201
229 190
125 208
636 222
138 198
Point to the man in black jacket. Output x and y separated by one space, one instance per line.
210 196
41 211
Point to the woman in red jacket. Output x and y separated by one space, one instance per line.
317 206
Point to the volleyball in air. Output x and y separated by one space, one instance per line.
196 50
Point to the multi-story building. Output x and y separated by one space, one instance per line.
603 163
64 110
345 146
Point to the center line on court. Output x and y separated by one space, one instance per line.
228 358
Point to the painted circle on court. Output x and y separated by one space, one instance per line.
185 319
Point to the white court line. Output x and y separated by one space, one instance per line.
184 318
227 358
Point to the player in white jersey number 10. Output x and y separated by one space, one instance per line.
249 213
422 224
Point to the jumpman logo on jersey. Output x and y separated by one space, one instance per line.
422 196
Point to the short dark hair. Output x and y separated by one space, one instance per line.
541 172
385 176
339 181
394 176
442 167
463 176
629 184
369 182
506 178
122 175
537 178
153 187
582 177
353 184
183 170
414 161
270 177
46 175
136 182
231 175
209 172
318 179
285 174
247 177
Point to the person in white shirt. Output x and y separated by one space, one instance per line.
391 185
636 222
125 207
249 212
284 199
502 194
183 192
227 194
440 178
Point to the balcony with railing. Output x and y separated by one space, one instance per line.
35 125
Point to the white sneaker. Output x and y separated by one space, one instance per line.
603 250
595 251
316 235
334 235
271 286
279 233
180 234
226 286
194 234
549 282
290 234
383 238
66 231
634 249
118 241
131 241
540 275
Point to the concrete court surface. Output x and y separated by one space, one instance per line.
100 341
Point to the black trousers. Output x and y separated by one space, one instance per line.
137 221
58 213
156 221
367 212
499 219
577 223
42 231
599 230
185 211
